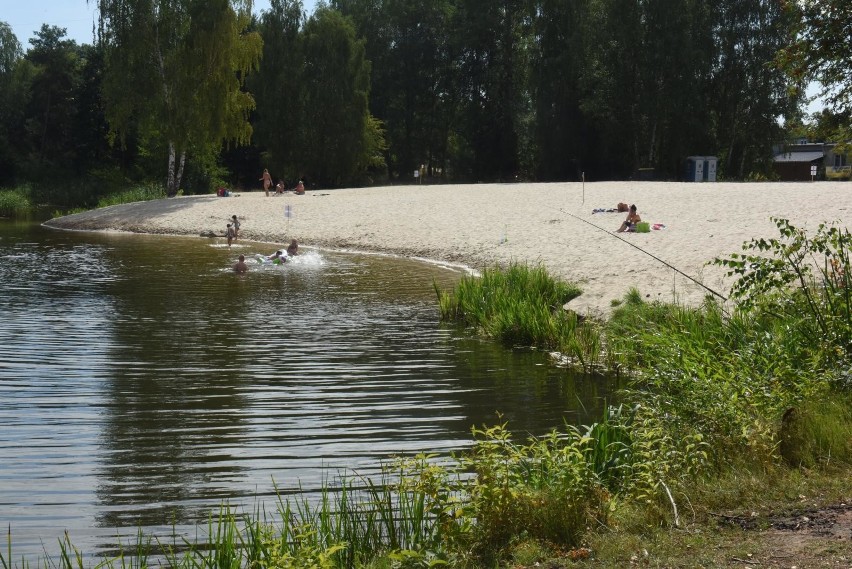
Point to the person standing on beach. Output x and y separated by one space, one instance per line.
240 267
229 233
236 223
267 181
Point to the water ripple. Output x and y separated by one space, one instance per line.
143 383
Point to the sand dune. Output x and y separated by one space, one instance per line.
485 225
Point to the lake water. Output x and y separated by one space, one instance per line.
144 384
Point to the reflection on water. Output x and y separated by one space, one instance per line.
144 383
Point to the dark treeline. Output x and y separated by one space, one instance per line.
367 91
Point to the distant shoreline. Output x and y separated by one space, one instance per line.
484 225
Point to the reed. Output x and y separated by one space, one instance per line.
518 306
419 512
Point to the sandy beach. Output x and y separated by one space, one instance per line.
484 225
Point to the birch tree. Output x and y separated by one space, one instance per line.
10 55
176 68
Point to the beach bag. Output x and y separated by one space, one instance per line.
643 227
622 206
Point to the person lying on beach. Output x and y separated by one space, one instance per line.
629 224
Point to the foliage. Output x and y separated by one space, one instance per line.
368 89
803 281
276 87
177 70
820 51
14 202
334 95
52 105
10 55
313 90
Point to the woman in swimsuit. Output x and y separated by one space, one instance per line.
267 181
629 224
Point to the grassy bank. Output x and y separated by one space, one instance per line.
25 200
735 417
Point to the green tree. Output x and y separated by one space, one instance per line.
821 51
10 50
51 107
611 80
334 138
276 87
491 41
177 68
10 107
646 83
749 94
562 134
90 130
414 82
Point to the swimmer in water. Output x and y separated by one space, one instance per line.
279 257
240 267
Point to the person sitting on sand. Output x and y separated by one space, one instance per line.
280 188
293 248
629 224
240 267
300 188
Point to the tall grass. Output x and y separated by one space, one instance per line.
15 201
523 306
144 192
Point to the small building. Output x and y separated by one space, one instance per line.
795 163
838 165
700 169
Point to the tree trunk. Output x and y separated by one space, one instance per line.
179 176
172 183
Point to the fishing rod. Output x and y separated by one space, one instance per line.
635 246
